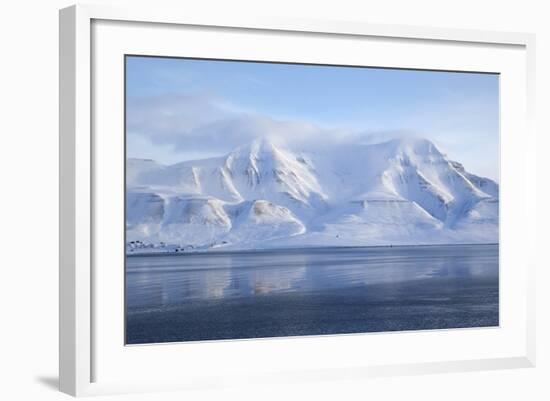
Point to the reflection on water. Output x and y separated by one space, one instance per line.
160 281
310 292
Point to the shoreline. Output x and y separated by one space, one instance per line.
287 249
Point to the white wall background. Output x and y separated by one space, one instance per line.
29 186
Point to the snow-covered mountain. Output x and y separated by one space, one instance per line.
402 191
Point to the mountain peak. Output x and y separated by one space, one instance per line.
261 145
254 149
416 145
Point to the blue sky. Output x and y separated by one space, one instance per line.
178 109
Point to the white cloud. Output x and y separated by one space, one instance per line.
201 123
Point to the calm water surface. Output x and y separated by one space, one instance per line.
309 292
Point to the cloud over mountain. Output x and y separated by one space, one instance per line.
204 123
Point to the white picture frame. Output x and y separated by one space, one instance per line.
80 218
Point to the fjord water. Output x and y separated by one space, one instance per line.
230 295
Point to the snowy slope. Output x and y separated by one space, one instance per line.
402 191
263 220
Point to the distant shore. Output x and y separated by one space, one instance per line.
290 249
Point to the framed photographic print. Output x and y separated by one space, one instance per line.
276 200
259 205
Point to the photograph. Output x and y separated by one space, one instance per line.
276 199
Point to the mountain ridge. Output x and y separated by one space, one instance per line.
401 191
